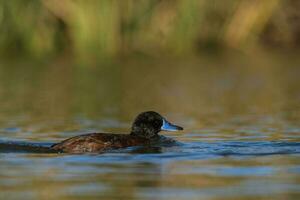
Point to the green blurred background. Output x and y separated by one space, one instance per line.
64 58
113 28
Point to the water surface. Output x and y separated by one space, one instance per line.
241 137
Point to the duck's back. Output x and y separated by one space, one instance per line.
97 142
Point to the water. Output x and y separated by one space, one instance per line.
241 137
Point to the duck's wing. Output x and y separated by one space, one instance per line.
95 142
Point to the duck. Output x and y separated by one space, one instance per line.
144 131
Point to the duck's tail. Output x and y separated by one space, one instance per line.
25 147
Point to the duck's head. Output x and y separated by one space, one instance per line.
149 124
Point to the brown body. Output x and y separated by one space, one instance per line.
144 131
98 142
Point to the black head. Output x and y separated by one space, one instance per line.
149 124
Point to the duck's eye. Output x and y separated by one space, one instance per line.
157 123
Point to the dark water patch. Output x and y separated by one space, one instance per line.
242 148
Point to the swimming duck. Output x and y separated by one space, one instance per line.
144 131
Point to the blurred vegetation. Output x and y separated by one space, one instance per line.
110 28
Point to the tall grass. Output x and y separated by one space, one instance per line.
109 28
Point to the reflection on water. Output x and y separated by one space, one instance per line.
242 136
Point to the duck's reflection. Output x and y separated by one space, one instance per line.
146 150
